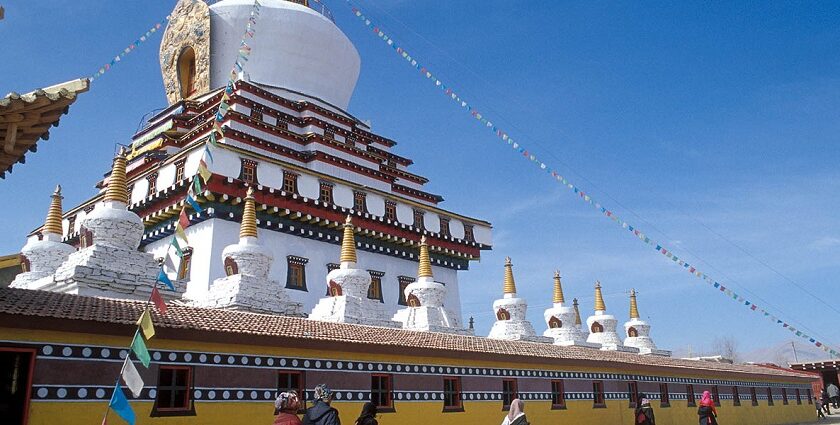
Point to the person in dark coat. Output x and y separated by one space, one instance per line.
707 411
644 412
516 415
321 413
368 415
825 402
285 408
818 403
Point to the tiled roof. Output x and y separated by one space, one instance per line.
74 307
26 118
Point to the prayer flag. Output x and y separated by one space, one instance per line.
180 232
213 139
158 300
145 323
139 348
194 204
207 151
203 171
162 277
132 378
196 187
183 218
120 405
177 247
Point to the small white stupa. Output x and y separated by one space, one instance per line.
510 311
247 264
41 257
638 331
111 265
347 301
602 326
425 311
561 320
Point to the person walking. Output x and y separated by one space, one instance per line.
285 408
707 411
644 412
516 414
834 395
819 406
321 413
368 415
825 402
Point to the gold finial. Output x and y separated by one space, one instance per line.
634 307
599 299
53 222
348 242
510 285
425 268
577 312
249 216
558 288
117 188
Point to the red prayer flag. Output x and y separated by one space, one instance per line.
158 300
183 220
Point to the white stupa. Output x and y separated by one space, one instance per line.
578 323
561 320
247 265
347 301
510 311
425 311
41 257
602 326
638 332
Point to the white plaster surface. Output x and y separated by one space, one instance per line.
45 256
568 334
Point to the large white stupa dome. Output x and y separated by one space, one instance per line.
294 48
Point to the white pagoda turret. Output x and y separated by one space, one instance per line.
602 326
247 263
425 311
638 331
578 323
347 301
510 311
561 320
41 257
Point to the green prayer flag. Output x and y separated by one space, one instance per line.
197 187
177 247
139 348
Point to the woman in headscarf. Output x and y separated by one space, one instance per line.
516 415
707 411
368 415
286 407
644 412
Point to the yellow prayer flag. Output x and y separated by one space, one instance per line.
180 232
204 172
145 323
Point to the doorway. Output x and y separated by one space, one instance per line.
15 384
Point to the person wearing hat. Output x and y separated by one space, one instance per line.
644 412
286 407
321 413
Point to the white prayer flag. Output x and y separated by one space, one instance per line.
132 378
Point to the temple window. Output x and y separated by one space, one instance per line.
596 328
715 395
444 227
25 266
290 182
282 123
468 233
502 314
256 113
736 397
152 179
798 396
296 272
85 237
391 210
664 395
380 391
784 396
360 201
632 332
179 170
689 395
375 288
633 393
769 396
292 380
186 72
598 398
248 172
554 323
71 224
329 134
807 392
558 394
174 388
231 268
452 394
754 397
509 392
404 281
184 267
350 140
331 267
418 219
325 193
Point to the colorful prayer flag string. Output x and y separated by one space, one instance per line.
484 121
143 38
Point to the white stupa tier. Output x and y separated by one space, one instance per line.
42 257
348 286
638 332
425 311
561 321
602 326
247 285
510 311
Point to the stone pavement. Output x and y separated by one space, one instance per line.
830 419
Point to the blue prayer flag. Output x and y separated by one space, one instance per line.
162 277
120 405
194 204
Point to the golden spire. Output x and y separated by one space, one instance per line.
117 187
348 242
634 308
249 216
558 288
425 268
599 299
577 312
53 223
510 285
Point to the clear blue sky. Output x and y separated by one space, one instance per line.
690 120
